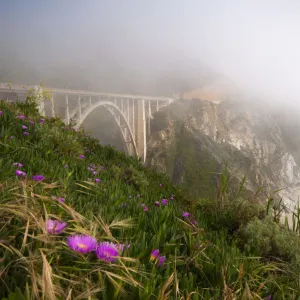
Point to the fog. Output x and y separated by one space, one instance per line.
153 47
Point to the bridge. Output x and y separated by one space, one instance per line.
132 113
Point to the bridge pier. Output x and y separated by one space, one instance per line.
141 142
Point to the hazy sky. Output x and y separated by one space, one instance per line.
256 43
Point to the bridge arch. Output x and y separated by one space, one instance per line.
115 112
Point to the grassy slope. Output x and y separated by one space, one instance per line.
201 263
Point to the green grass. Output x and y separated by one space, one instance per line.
202 261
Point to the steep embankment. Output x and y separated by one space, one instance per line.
190 139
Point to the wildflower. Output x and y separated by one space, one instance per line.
38 177
157 203
90 179
55 227
101 168
94 172
164 201
31 122
195 222
144 207
186 214
155 254
1 112
82 243
81 156
107 251
161 260
11 137
61 199
25 133
24 127
160 185
42 121
18 165
21 117
97 180
172 197
20 173
139 196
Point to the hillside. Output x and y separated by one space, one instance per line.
83 221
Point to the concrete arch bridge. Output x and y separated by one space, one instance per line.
132 113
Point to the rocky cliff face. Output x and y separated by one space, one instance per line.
192 139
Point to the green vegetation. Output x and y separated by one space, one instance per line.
224 249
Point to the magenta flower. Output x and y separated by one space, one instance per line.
31 122
25 133
186 214
155 254
144 207
95 172
82 243
195 222
42 121
21 117
139 196
38 177
161 260
107 251
160 185
24 127
61 199
11 137
101 168
55 227
1 112
81 156
157 203
164 201
172 197
18 165
97 180
20 173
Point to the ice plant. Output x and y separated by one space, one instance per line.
18 165
21 117
160 185
107 251
38 177
20 173
97 180
55 227
186 214
157 203
31 122
164 201
144 207
161 260
42 121
25 133
1 112
11 137
61 199
155 254
24 127
81 156
82 243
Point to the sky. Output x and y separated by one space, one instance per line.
256 43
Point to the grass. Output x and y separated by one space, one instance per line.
203 260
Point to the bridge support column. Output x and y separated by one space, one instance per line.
141 142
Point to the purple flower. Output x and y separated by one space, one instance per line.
42 121
25 133
160 185
139 196
61 199
18 165
55 227
157 203
101 168
21 117
11 137
94 172
1 112
144 207
31 122
97 180
161 260
186 214
38 177
24 127
172 197
164 201
155 254
107 251
81 156
82 243
20 173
